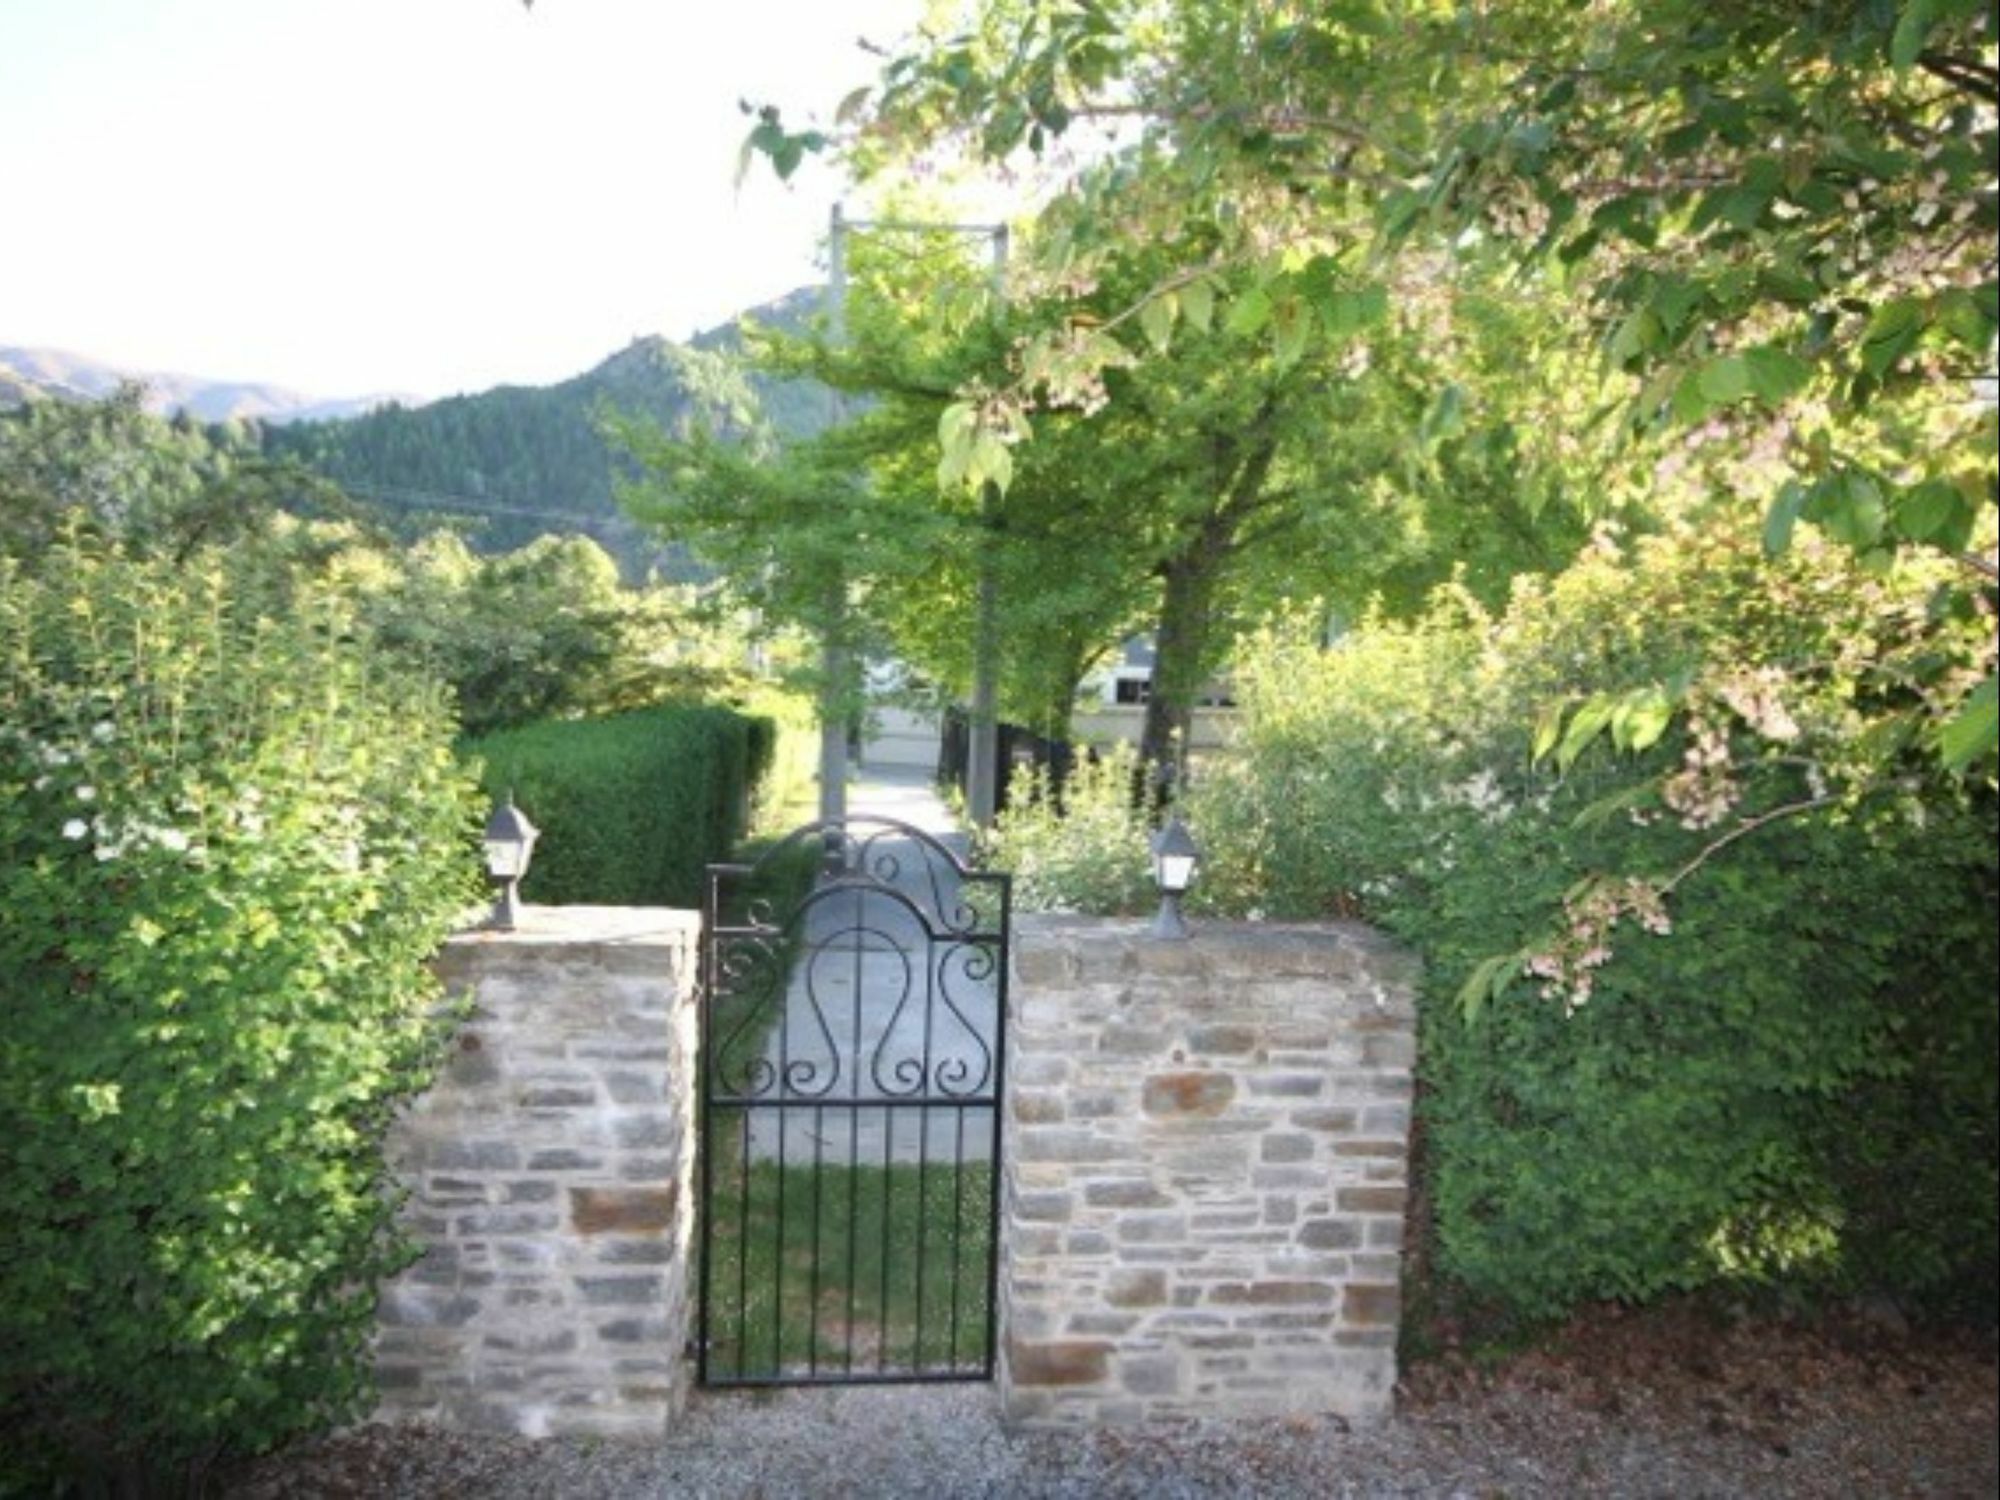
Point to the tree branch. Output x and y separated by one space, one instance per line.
1974 78
1986 567
1278 121
1747 826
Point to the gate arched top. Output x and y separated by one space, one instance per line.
938 929
854 849
883 826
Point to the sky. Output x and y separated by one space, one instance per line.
411 196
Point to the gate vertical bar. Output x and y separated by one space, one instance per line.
1000 964
703 1062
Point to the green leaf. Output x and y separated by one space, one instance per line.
1851 510
956 422
1198 305
1641 333
1548 725
1156 320
1291 328
1776 376
1725 379
1607 807
1585 727
1398 212
1688 403
1674 301
1348 312
1444 418
1487 981
849 109
1929 511
991 462
1649 711
1906 43
1739 206
1959 313
1971 733
958 430
1249 313
1891 333
1783 516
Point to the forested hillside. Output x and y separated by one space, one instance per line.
518 461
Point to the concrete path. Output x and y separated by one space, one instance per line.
886 1000
908 797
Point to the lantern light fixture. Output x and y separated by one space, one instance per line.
1175 859
510 846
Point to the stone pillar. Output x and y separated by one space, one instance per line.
1206 1164
550 1173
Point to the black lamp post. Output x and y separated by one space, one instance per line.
510 845
1175 855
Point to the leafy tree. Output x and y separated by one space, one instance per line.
1780 221
167 487
1215 478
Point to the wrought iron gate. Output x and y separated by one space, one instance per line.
852 1062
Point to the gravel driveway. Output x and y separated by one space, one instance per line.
1621 1407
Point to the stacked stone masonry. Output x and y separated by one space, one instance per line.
550 1173
1206 1165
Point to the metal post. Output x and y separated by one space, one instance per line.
982 774
833 652
983 759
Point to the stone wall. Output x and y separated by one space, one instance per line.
1205 1171
550 1170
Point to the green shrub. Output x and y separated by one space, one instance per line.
1796 1087
631 807
1087 850
228 847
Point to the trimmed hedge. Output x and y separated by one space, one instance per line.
633 806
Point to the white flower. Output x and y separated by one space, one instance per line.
76 828
171 838
86 793
101 730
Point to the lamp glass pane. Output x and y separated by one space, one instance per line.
1176 871
505 859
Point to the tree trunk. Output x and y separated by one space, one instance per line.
1181 645
1184 640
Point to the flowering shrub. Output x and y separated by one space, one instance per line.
228 845
1711 941
1087 848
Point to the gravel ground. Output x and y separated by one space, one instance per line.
1617 1407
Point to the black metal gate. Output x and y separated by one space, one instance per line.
852 1062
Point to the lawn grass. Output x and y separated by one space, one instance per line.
840 1270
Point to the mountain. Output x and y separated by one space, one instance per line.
30 374
524 460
